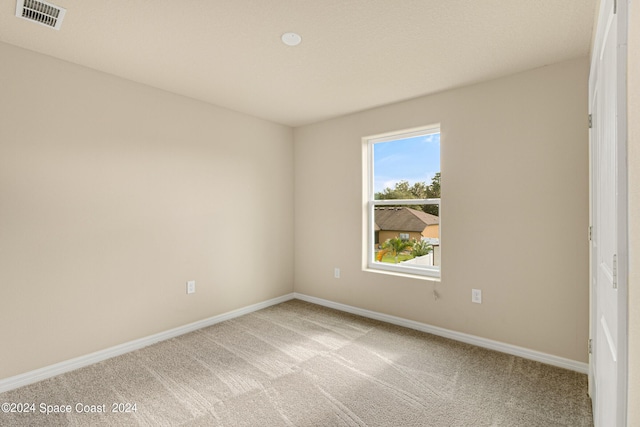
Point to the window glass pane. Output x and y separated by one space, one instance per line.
407 168
406 236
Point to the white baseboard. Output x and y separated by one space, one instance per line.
31 377
514 350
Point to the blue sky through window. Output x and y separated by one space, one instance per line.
414 159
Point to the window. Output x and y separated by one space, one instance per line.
402 218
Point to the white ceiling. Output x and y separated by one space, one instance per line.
354 55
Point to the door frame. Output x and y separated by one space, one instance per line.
622 7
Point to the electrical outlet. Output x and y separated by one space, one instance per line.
476 296
191 287
336 273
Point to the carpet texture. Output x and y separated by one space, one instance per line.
299 364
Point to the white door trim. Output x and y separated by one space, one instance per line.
623 212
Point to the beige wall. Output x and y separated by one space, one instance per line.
514 159
113 195
633 77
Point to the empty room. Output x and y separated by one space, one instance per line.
315 213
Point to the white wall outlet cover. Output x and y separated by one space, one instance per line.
191 286
476 296
336 273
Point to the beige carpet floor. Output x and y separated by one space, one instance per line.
299 364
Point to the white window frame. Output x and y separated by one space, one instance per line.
370 263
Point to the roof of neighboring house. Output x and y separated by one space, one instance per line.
402 219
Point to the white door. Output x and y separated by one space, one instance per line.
608 332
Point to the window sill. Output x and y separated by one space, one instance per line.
428 278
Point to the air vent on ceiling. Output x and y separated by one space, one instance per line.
41 12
